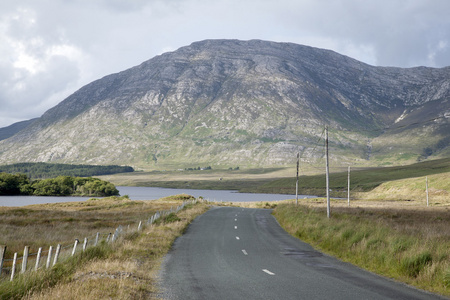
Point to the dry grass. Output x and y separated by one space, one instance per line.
61 223
400 239
200 177
414 189
130 271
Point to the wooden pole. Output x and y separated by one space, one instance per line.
327 169
96 238
426 183
2 256
296 183
58 249
75 247
25 259
38 258
85 244
13 268
49 257
348 187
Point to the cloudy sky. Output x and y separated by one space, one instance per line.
51 48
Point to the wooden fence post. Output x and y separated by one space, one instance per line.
85 244
2 256
58 249
49 257
75 247
38 258
140 226
13 269
96 238
25 259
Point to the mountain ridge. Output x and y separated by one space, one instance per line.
252 103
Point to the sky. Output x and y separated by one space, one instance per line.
51 48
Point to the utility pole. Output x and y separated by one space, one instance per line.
296 184
348 188
327 173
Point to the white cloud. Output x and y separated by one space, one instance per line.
50 48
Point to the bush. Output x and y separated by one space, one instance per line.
19 184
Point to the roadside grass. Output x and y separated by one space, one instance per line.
61 223
409 244
25 284
102 270
129 271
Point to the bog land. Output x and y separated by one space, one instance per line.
388 228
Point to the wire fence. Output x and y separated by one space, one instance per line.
47 258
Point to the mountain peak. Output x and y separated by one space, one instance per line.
228 102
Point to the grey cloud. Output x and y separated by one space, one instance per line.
96 38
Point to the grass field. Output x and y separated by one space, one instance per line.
123 270
402 240
387 229
361 180
282 180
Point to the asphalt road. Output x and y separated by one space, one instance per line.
236 253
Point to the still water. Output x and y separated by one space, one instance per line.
152 193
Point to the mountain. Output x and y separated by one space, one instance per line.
244 103
9 131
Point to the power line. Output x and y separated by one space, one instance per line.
321 142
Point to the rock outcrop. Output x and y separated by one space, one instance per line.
246 103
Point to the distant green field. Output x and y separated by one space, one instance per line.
276 180
50 170
361 180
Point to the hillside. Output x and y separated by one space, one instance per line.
244 103
9 131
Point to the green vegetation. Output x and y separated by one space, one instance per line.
409 245
25 283
361 180
126 269
282 180
19 184
48 170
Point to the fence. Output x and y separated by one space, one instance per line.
48 258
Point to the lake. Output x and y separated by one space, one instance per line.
153 193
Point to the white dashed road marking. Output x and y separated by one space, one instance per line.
237 238
245 252
268 272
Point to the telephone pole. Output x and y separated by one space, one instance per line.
327 173
348 187
296 184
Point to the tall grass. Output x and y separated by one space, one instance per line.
409 245
61 223
27 283
128 272
77 220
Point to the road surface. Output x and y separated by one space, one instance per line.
242 253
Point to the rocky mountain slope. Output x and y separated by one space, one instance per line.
9 131
245 103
